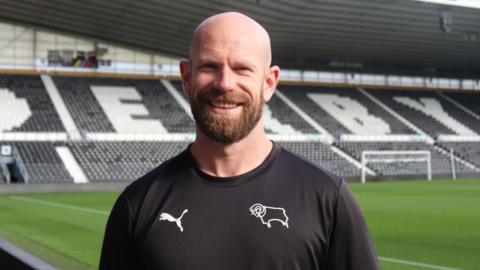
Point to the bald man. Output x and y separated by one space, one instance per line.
234 199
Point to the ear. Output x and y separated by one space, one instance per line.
186 73
270 82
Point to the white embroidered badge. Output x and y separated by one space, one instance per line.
267 214
170 218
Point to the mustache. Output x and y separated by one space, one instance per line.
224 97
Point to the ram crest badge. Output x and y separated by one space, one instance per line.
267 214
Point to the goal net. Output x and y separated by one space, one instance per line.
400 161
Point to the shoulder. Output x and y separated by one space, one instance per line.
308 171
161 176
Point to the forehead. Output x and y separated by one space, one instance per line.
223 40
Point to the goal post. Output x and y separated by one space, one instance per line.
396 156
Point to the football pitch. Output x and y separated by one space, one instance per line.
415 224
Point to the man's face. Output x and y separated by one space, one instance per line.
211 112
226 85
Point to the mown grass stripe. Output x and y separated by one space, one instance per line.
424 265
67 206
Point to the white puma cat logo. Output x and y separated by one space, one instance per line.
170 218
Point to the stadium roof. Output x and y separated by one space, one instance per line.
367 35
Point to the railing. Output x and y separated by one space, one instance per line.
5 172
22 169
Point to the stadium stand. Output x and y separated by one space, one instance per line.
179 87
470 101
36 115
298 94
340 110
440 162
42 162
91 117
457 111
122 161
286 115
429 111
321 155
126 161
469 151
85 110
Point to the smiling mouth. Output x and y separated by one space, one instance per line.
223 105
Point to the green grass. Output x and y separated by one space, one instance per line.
67 238
436 223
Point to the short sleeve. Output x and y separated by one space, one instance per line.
351 246
117 248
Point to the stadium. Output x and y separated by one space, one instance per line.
383 93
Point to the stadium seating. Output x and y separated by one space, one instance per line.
122 161
85 110
298 94
99 105
178 86
36 115
460 114
321 104
91 117
440 162
469 151
286 115
321 155
470 101
126 161
429 111
42 162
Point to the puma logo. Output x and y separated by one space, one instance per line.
170 218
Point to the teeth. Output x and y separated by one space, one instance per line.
224 105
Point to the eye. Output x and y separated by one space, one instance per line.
244 69
208 67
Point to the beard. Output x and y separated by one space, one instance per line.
226 128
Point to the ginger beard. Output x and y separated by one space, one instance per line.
226 128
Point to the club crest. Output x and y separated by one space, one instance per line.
268 214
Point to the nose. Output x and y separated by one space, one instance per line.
225 79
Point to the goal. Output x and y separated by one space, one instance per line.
397 157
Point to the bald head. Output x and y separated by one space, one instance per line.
230 53
232 27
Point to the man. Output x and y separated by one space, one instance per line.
234 199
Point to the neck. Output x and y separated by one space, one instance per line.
226 160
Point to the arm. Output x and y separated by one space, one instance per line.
117 249
351 246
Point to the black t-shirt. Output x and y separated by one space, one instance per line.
285 214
